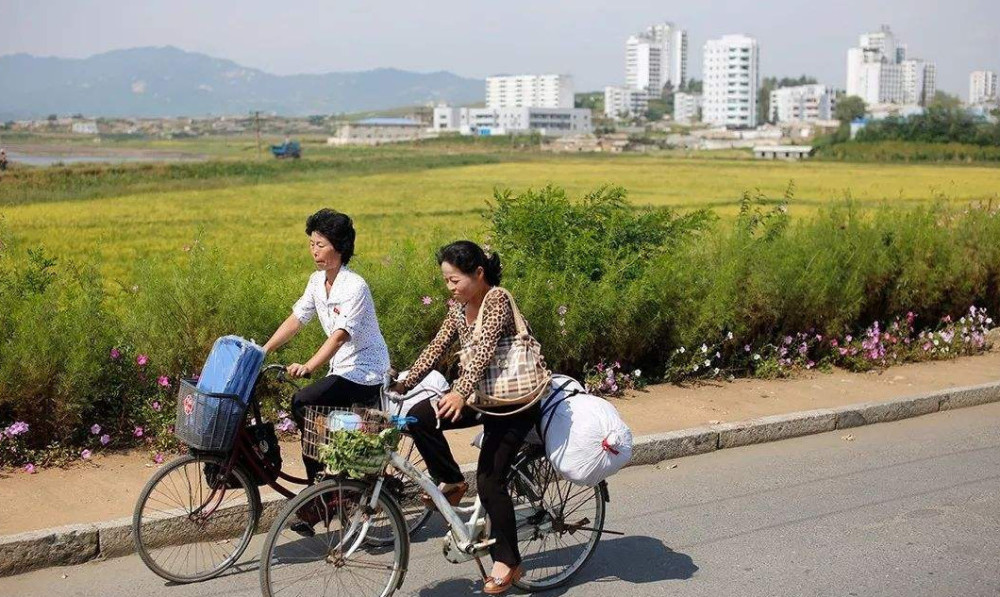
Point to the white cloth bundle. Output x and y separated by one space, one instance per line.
585 438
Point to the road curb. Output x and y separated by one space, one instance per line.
75 544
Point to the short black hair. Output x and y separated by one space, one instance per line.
467 256
337 228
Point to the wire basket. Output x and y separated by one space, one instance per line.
207 421
355 442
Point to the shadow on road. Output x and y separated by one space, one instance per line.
635 560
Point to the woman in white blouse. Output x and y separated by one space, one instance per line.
355 350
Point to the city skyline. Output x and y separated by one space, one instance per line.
583 39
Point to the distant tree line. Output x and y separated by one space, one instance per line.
938 124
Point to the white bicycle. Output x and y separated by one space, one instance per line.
360 546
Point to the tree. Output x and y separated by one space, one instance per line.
849 108
691 86
53 117
944 100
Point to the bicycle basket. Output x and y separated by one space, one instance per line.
355 442
207 421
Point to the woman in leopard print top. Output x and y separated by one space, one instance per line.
469 275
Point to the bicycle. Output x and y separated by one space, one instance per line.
196 516
559 526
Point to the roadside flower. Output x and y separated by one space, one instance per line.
105 439
115 354
788 340
756 357
156 405
29 468
95 429
834 343
707 362
141 360
137 432
561 310
704 349
15 429
637 373
427 300
163 381
729 336
158 459
85 454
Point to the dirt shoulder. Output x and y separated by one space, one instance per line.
107 487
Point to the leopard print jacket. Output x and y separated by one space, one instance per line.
498 322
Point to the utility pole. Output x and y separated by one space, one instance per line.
256 119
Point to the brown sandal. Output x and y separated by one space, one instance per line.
453 495
496 585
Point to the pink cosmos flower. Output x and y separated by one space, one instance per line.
105 439
115 354
158 459
163 381
95 429
141 360
85 454
427 300
29 468
137 432
834 343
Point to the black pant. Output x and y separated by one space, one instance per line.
502 438
332 390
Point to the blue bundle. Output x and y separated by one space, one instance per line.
232 367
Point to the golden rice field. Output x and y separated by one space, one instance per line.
263 223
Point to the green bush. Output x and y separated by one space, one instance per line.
605 286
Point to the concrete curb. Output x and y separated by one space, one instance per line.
75 544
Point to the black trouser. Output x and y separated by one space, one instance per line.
332 390
502 438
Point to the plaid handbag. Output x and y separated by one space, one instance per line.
516 375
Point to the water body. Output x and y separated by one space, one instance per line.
65 160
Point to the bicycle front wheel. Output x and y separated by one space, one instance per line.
558 524
190 523
321 544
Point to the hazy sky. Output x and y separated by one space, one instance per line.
582 37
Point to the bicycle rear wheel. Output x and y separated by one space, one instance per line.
190 524
558 523
336 556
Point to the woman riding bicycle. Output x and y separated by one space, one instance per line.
355 350
470 274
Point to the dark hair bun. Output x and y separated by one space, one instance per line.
467 256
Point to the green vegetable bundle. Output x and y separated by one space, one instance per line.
358 453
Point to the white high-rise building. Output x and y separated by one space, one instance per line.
655 58
803 103
686 107
983 87
732 76
529 91
879 72
625 102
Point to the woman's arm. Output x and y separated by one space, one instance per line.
285 332
430 356
323 355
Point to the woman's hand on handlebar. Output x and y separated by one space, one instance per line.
298 370
450 406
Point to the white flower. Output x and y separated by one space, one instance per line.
756 357
681 350
707 362
718 355
695 368
989 320
729 336
716 371
936 343
637 373
704 349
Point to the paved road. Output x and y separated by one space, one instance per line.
903 509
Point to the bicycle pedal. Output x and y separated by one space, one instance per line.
484 545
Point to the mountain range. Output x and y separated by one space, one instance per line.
168 81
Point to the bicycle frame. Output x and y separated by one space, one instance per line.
464 532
